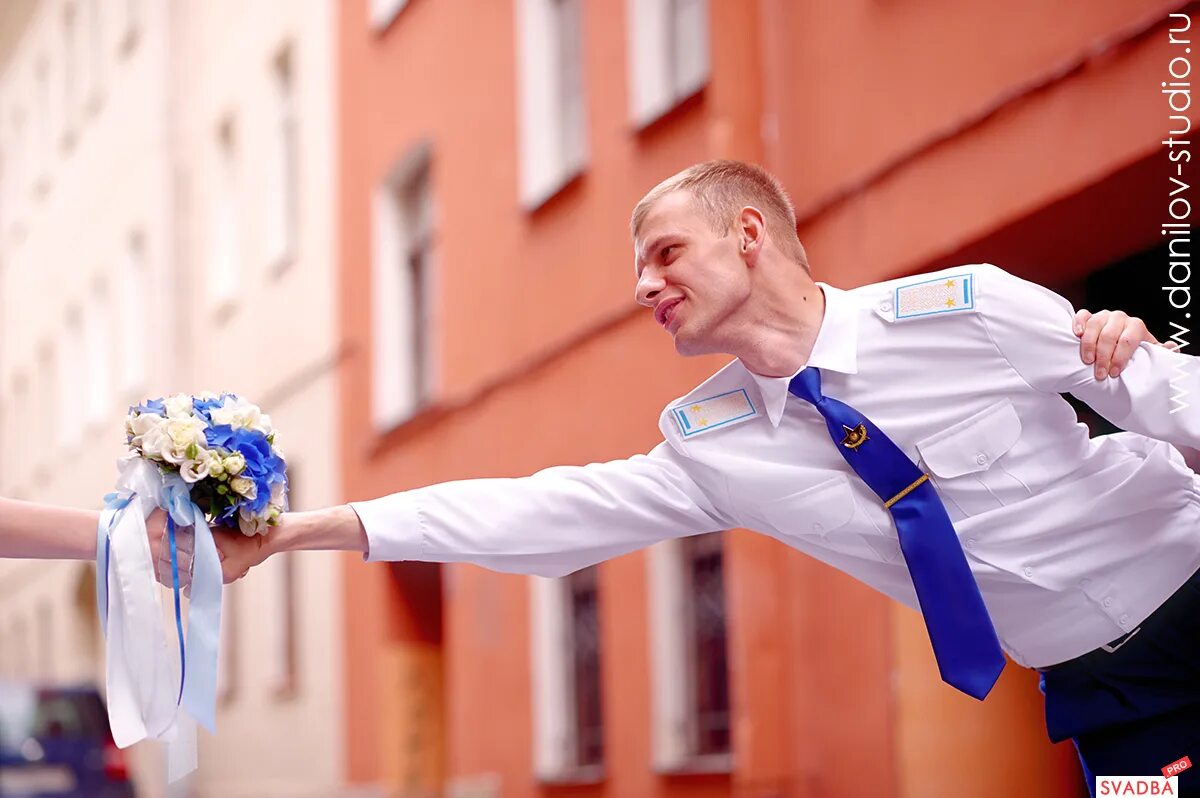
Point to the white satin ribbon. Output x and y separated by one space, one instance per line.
143 692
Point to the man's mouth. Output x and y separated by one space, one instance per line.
666 312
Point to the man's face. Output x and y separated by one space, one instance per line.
693 279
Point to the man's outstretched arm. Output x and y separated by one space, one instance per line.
551 523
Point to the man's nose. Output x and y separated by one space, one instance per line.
649 286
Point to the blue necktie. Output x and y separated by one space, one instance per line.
964 640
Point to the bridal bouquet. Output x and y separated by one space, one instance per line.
223 447
205 459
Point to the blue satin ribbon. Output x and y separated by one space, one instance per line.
198 656
113 505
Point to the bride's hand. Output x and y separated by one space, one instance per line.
160 549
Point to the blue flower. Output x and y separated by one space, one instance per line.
204 407
154 406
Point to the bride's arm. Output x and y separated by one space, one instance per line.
46 532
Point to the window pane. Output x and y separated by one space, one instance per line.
585 632
689 46
711 674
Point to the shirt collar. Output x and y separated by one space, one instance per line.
836 348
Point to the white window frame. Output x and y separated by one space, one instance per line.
93 90
225 237
70 73
135 347
552 99
72 379
283 205
397 392
660 36
98 333
383 12
672 665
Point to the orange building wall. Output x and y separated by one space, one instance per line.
908 134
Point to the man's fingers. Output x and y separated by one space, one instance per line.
1081 320
1135 332
1106 344
1091 334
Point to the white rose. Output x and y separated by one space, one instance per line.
178 406
234 464
250 524
237 413
216 466
155 442
194 470
137 426
187 439
244 487
277 497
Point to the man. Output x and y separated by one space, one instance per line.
841 414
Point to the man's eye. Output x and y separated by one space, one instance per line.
666 251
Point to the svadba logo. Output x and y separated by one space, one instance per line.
1137 785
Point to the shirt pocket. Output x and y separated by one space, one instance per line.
968 462
822 515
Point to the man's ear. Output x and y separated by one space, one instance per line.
752 233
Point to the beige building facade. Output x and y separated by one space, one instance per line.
166 224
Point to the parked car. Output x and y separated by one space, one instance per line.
55 741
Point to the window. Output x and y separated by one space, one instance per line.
132 25
401 271
70 90
553 122
568 710
228 654
18 426
94 72
20 157
45 643
226 234
21 666
284 671
384 11
47 407
668 55
282 610
71 380
285 163
45 126
98 327
135 294
688 652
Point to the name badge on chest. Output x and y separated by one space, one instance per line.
715 412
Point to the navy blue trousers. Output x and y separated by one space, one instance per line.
1135 710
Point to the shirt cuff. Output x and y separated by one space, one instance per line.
393 528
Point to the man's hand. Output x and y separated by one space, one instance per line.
240 553
1108 339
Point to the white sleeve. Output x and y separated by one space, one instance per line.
551 523
1031 326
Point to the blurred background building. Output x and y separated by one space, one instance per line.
168 225
401 226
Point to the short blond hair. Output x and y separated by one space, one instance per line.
720 190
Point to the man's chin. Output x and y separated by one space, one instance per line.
688 346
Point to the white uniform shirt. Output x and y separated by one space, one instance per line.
1072 541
